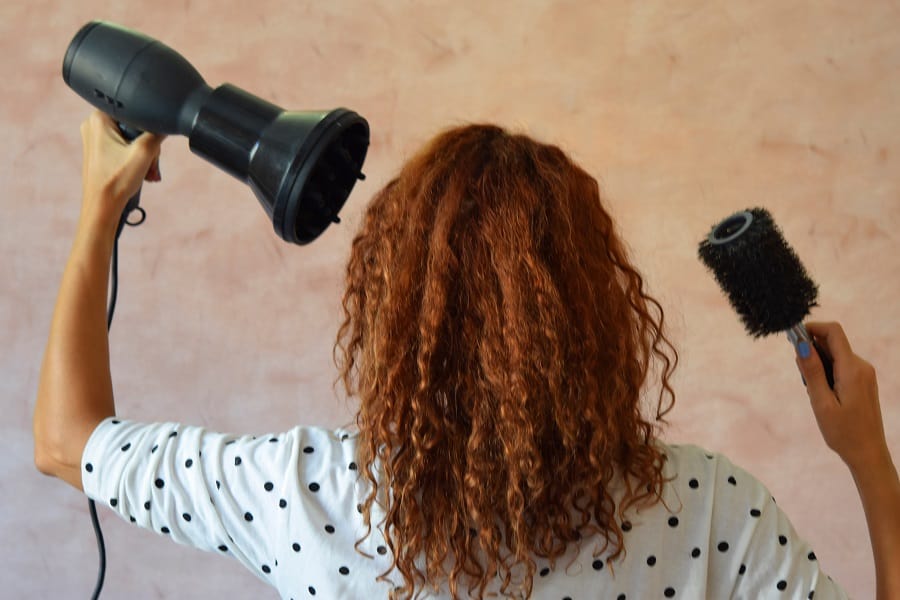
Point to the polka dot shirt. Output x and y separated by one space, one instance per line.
287 507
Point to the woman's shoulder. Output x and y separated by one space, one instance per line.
695 469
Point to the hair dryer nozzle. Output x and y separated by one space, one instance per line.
324 153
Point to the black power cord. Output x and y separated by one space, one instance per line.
113 292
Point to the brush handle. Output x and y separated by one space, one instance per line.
797 334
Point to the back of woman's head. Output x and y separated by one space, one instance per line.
498 339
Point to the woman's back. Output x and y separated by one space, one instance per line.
287 507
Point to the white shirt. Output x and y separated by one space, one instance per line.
286 506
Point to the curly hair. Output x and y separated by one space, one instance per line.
498 339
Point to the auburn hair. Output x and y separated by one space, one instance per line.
498 340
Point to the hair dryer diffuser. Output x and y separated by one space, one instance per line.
301 165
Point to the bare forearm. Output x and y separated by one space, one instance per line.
75 388
879 490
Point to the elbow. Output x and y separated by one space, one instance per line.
48 458
43 460
43 457
60 456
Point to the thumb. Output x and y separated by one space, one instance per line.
820 393
149 144
145 150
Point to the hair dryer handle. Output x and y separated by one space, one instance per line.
129 134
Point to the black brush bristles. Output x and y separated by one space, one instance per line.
759 272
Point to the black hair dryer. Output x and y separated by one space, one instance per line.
301 165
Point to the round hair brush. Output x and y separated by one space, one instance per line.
762 277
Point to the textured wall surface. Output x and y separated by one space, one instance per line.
685 111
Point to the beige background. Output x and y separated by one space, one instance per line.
685 110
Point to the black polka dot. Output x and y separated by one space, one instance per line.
309 450
670 592
352 466
782 585
296 547
811 593
620 597
154 448
147 505
811 556
329 528
266 569
709 456
742 570
344 571
273 439
651 560
673 521
248 517
732 480
626 526
269 486
597 564
188 463
186 517
165 530
89 468
782 540
359 508
545 571
126 447
314 487
282 503
723 546
237 461
218 484
382 550
173 434
312 591
754 512
159 483
229 442
694 484
567 598
113 501
115 421
132 519
695 552
223 548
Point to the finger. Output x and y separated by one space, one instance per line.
154 174
831 335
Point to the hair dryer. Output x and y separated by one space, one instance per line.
300 165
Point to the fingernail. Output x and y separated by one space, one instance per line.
803 349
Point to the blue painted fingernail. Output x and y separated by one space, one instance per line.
803 349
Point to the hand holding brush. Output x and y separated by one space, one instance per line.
770 290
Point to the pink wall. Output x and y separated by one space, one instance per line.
684 110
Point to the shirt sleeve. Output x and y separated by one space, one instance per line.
766 557
217 492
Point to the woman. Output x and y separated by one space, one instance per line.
497 338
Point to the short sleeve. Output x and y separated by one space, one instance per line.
217 492
755 550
